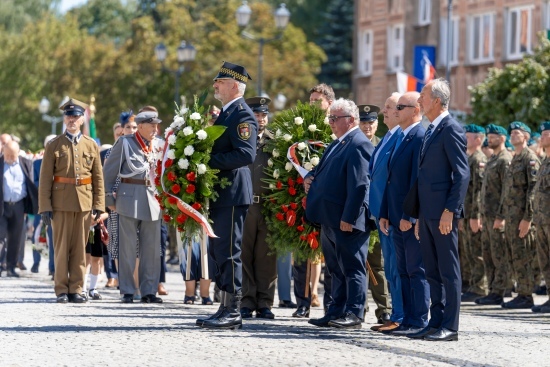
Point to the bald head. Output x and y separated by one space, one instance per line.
410 110
11 152
389 110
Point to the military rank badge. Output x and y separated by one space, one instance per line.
244 130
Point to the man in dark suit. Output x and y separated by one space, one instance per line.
402 173
337 192
232 152
443 176
19 195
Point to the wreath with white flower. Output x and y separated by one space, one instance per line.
301 134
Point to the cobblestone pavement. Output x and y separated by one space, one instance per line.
35 331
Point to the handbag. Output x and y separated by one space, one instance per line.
104 233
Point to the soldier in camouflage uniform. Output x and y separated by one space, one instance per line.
541 216
494 250
471 251
518 208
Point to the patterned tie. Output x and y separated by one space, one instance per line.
426 138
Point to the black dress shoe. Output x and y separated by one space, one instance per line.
12 274
348 321
544 308
519 302
323 321
385 317
264 313
228 319
442 335
287 304
407 330
469 297
200 321
151 298
301 312
422 333
490 299
62 298
246 313
77 298
34 268
128 298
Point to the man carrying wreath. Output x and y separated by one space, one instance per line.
232 152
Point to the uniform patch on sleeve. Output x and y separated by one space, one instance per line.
244 130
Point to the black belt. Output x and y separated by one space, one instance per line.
256 199
12 202
136 181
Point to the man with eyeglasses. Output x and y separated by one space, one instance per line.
337 192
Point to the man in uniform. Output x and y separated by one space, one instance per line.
70 192
518 201
132 158
259 264
232 152
494 250
541 216
471 227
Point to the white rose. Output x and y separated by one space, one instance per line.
178 120
183 163
201 169
288 166
184 110
189 150
171 139
275 153
188 131
167 131
195 116
270 162
276 174
201 134
312 128
333 136
278 133
326 120
314 160
298 120
308 166
271 186
287 137
171 154
302 146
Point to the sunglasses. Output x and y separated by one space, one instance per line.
401 107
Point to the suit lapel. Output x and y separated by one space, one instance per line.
401 147
436 132
383 151
336 150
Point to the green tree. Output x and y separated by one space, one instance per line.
16 14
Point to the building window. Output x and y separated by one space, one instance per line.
364 56
424 12
518 32
481 34
443 41
546 15
396 48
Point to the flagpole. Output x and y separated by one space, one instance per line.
449 40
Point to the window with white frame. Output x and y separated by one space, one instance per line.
424 12
364 55
518 32
546 15
444 45
396 48
480 40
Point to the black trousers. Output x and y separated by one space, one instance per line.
11 229
299 273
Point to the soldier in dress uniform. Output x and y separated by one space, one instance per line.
541 216
368 115
259 263
132 158
470 241
518 201
232 152
70 192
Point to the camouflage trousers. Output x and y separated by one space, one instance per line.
543 252
496 258
523 253
471 261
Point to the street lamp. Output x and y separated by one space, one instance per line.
184 53
282 16
44 108
279 101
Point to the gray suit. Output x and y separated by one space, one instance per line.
139 216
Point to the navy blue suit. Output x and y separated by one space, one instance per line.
339 193
443 176
402 173
232 152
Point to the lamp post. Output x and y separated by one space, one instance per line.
279 101
282 16
185 52
44 108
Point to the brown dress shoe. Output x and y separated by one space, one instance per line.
161 290
388 326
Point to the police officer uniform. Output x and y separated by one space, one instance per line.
259 263
71 186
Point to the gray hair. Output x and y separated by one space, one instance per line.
241 87
442 90
347 106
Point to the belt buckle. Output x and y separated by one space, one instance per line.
147 182
255 199
77 181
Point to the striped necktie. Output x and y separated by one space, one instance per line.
426 138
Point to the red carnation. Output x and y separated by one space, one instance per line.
292 191
166 218
285 208
162 207
293 206
290 181
168 163
280 216
190 189
300 228
171 176
181 218
158 169
157 181
176 188
299 180
279 185
303 238
172 200
196 206
190 176
290 218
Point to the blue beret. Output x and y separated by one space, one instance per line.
544 126
509 145
473 128
518 125
531 142
496 129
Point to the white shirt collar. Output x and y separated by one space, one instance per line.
407 130
347 132
394 130
229 103
439 118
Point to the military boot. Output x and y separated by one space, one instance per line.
230 318
490 299
544 308
519 302
199 322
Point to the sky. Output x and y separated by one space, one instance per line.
68 4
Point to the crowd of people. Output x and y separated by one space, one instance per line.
461 214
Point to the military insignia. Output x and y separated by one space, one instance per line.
244 131
262 101
366 109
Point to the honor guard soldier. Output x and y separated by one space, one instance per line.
70 192
232 152
368 122
259 264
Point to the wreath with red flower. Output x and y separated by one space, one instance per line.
301 134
